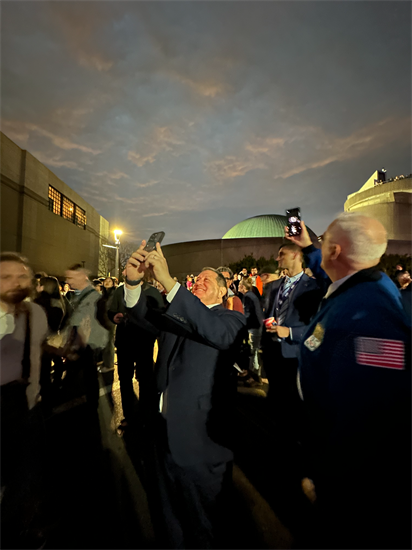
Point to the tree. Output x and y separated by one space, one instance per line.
125 251
389 262
250 261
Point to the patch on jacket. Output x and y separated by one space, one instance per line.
312 343
380 352
319 332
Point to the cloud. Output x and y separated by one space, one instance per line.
159 140
148 184
56 162
206 88
153 214
78 25
116 174
307 148
231 167
61 142
24 129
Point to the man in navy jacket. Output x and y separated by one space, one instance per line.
293 300
196 383
355 381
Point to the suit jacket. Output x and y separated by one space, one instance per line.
253 310
303 305
194 371
133 329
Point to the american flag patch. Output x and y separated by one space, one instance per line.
377 352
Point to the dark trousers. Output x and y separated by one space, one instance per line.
22 441
82 378
193 501
283 400
136 358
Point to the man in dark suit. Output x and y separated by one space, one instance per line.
196 383
292 302
135 339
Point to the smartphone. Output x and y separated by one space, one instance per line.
294 227
153 239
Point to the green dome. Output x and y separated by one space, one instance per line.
267 225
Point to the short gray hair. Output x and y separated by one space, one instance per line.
362 244
224 269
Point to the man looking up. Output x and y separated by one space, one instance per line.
356 385
292 301
196 384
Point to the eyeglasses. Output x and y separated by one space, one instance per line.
228 279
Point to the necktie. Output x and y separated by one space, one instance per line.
284 303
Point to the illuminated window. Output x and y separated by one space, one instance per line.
67 209
80 218
55 200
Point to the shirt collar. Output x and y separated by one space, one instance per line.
334 286
294 278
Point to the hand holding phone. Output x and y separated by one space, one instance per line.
294 226
153 239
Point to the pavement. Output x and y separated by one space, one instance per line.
98 493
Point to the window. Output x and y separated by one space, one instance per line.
66 208
55 200
80 217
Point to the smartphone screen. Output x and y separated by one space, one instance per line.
153 239
294 227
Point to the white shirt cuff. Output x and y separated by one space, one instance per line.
170 295
290 333
132 295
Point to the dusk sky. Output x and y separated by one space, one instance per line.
189 117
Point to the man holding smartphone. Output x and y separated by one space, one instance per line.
292 302
355 382
196 384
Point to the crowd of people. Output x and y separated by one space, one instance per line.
325 326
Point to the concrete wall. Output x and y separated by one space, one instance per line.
191 257
50 242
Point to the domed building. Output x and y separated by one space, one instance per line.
264 226
260 236
389 201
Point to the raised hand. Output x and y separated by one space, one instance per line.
135 266
156 261
303 240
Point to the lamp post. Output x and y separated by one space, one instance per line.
117 234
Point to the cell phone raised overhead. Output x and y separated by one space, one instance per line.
153 239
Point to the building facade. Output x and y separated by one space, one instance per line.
44 219
391 203
259 236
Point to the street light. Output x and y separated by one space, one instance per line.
117 233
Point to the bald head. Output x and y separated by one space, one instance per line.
353 242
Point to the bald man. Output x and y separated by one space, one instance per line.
355 381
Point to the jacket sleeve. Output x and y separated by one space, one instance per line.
187 316
115 304
313 259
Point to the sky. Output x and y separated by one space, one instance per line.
189 117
